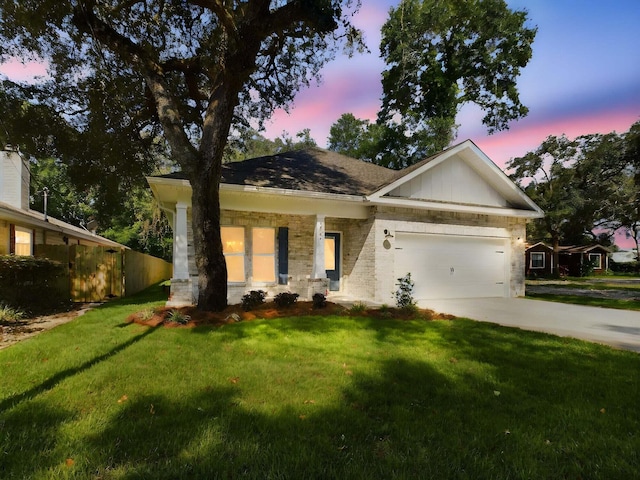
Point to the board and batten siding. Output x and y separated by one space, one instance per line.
452 181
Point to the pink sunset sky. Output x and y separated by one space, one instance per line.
584 77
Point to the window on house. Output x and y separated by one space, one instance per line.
537 260
233 249
330 253
595 259
263 254
24 241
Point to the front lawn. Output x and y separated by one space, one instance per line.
314 397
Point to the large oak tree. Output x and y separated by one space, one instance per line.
183 69
441 55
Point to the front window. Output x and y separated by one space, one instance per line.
595 259
233 249
537 260
24 241
264 255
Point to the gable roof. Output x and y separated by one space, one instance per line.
583 248
316 171
474 184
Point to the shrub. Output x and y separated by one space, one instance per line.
319 300
285 299
32 284
176 316
404 293
358 308
253 299
10 314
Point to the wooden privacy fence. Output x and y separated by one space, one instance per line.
99 273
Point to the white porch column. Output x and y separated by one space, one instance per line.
318 249
180 253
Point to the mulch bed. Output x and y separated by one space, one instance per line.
190 317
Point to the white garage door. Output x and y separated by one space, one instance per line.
452 266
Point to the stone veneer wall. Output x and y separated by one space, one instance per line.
368 271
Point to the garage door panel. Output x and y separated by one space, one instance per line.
452 266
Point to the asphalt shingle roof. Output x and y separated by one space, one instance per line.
311 170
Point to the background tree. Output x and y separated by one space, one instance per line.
625 203
249 143
183 69
440 55
546 175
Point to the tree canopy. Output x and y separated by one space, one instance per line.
184 71
587 187
441 55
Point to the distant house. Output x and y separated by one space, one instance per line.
539 260
22 229
572 260
316 221
576 259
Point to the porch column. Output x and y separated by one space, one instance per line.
180 254
318 249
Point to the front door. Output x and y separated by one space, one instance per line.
332 260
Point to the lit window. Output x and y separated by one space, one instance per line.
264 254
233 249
330 253
537 260
595 259
23 241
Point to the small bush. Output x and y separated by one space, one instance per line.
33 284
358 308
319 300
10 314
176 316
285 299
253 299
404 293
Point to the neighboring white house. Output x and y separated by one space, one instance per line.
316 221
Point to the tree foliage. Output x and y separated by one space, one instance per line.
181 70
441 55
249 143
587 187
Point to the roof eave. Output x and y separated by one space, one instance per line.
458 208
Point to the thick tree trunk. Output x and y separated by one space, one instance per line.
205 200
212 269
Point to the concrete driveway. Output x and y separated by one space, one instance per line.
618 328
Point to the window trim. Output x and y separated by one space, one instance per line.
598 264
274 278
26 231
531 265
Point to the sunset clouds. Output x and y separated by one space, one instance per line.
584 77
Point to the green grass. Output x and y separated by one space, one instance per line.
621 304
314 397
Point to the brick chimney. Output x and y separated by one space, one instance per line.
14 178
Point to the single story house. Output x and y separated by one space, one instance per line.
572 260
575 259
317 221
21 228
539 260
